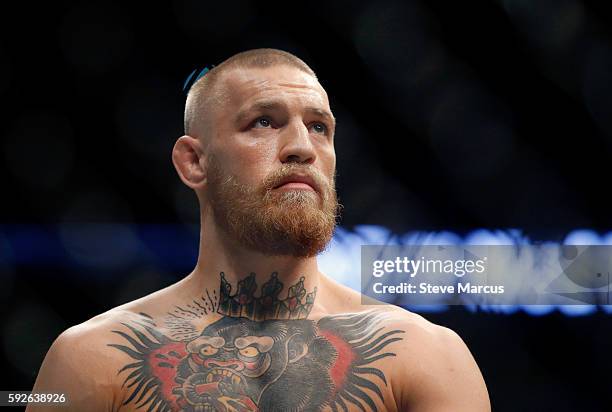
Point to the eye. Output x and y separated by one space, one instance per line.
319 128
208 350
249 352
262 122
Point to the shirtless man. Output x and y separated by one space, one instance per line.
256 325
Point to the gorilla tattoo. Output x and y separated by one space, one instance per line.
240 364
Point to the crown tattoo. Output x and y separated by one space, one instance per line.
244 303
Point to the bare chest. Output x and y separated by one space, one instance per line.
236 364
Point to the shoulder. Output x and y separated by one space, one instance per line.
425 340
87 344
438 372
416 327
87 337
85 341
80 364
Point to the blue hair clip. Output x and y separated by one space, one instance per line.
192 78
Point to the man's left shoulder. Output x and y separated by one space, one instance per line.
423 339
437 365
418 330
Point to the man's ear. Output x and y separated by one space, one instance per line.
190 161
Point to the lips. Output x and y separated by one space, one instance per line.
296 181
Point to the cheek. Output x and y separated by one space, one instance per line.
327 159
249 162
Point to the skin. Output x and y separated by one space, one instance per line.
437 371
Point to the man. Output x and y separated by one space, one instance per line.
256 325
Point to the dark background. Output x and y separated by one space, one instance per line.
451 116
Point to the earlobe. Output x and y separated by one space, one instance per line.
189 161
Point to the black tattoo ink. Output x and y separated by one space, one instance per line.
244 303
241 364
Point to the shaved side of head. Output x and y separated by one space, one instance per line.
205 94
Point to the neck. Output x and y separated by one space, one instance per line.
222 263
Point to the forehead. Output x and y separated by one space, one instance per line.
243 86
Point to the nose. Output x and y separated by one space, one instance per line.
297 145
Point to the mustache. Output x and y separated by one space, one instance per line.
275 178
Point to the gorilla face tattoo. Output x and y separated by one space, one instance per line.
241 361
240 364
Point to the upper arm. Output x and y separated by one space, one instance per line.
73 368
443 375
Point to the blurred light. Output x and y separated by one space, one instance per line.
427 308
501 309
584 237
174 248
345 247
538 310
578 310
170 247
606 239
373 234
101 246
606 309
430 238
488 237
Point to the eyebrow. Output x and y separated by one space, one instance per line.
272 105
323 113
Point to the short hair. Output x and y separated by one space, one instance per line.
203 93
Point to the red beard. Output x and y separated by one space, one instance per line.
296 223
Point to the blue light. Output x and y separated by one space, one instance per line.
174 248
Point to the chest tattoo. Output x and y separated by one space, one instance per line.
262 355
